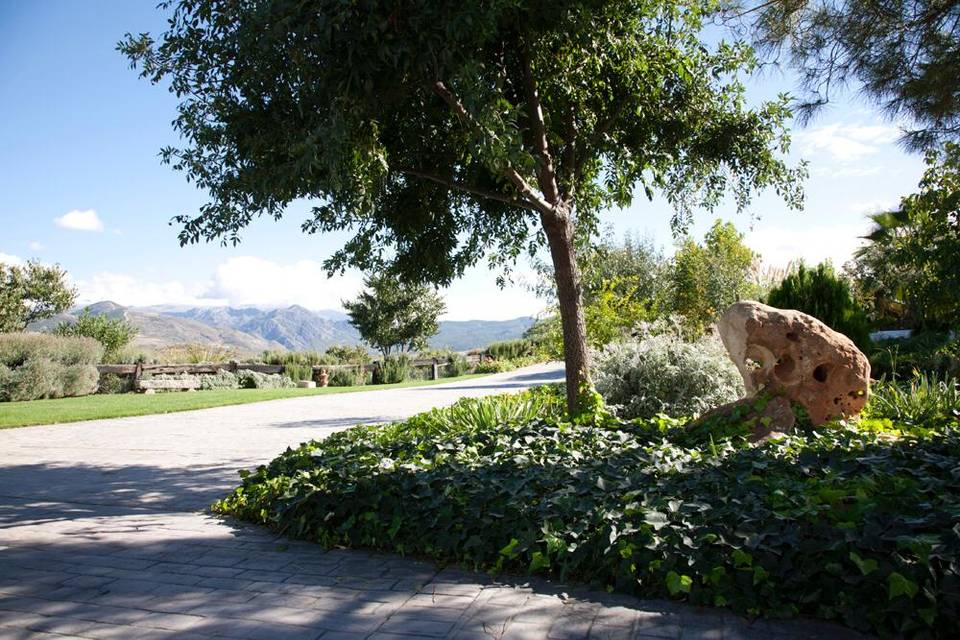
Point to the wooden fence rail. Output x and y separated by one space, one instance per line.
138 371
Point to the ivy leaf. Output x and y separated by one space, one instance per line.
539 561
900 586
866 567
677 583
509 551
742 559
656 519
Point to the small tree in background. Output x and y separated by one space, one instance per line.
707 278
623 284
826 297
113 333
30 293
391 316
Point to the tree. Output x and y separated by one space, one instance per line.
706 279
113 333
438 132
392 316
30 293
622 284
904 53
912 261
820 293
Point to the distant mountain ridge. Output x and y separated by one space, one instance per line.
251 329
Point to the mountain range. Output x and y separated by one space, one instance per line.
250 330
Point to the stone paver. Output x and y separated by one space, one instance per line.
103 534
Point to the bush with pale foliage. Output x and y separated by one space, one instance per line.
38 365
660 372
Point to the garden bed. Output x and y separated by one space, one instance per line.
853 523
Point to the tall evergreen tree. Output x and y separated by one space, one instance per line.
904 54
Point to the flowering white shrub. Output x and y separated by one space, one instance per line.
663 373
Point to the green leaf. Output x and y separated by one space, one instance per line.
866 567
509 551
656 519
900 586
677 583
741 558
539 561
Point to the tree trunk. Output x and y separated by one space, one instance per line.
559 231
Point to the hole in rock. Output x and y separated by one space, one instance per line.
792 336
820 373
784 368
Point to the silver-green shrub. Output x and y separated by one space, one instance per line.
255 380
41 378
663 373
17 348
345 377
219 380
40 365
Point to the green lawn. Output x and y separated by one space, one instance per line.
36 412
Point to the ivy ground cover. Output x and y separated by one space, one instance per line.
843 523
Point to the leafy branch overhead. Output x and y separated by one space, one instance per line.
477 114
439 132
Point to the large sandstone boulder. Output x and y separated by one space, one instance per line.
789 353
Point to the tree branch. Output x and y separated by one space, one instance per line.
598 133
453 184
546 174
569 171
536 201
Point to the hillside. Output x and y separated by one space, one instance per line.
160 330
251 330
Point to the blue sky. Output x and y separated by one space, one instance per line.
83 186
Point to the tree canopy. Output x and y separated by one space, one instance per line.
392 316
440 132
825 296
910 269
904 54
707 278
113 333
32 292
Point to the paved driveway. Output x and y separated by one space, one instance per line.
103 535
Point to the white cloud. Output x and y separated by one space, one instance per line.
846 142
477 296
134 292
239 281
86 220
779 246
35 246
838 173
6 258
254 281
249 280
